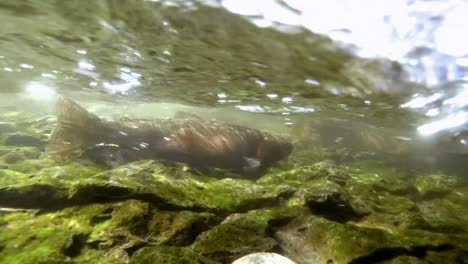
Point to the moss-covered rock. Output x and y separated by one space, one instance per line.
178 228
30 238
109 233
305 174
434 185
242 234
312 239
120 214
167 254
20 139
6 127
21 153
31 166
72 184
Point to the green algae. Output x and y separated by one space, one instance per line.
122 214
36 239
166 254
181 212
311 238
241 234
434 184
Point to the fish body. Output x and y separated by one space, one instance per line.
181 140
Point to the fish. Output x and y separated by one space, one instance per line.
192 141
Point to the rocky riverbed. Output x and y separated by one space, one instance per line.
72 211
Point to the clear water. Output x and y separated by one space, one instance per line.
152 59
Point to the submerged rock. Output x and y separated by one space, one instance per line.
166 254
311 239
19 139
263 258
241 234
6 127
434 185
146 180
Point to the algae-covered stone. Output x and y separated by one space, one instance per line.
150 180
26 152
241 234
27 238
19 139
365 198
12 157
387 181
304 174
434 185
45 189
312 239
6 127
178 228
31 165
167 254
98 233
238 235
441 215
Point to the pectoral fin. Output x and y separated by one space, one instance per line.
251 164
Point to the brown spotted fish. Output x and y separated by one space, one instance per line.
195 142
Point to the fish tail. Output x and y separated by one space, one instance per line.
75 126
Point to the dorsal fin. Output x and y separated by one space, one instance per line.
74 125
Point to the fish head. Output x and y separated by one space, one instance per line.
274 149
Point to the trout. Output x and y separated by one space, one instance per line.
191 141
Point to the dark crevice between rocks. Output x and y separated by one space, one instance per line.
38 196
102 217
333 207
276 224
94 244
131 250
187 237
49 198
74 246
391 253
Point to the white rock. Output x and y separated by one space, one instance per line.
263 258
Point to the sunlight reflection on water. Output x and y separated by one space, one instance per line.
425 36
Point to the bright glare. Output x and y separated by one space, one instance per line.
86 65
450 121
451 37
420 101
393 29
460 100
39 91
129 80
251 108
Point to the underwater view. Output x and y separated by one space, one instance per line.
210 131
